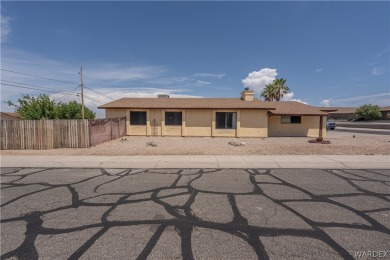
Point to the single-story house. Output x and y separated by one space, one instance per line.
9 116
349 113
385 111
341 113
217 117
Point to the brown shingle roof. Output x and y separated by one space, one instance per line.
276 108
343 110
293 108
10 114
199 103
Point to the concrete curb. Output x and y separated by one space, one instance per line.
202 161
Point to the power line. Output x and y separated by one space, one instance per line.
73 91
21 73
99 93
66 93
19 83
94 99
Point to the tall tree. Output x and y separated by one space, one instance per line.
280 88
268 92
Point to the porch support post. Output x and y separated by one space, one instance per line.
321 126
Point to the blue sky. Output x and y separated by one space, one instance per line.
331 53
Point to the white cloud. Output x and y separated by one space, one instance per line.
319 70
362 98
118 73
192 80
385 51
289 97
111 80
378 71
381 99
257 80
210 75
5 28
202 83
325 103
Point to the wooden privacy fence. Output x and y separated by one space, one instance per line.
103 130
50 134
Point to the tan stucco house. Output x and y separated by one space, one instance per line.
349 113
9 116
217 117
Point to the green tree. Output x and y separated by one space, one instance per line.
275 90
33 108
280 88
72 110
369 112
268 92
43 107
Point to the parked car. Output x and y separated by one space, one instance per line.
330 125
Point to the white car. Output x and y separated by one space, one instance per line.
330 125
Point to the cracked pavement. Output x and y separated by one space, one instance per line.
57 213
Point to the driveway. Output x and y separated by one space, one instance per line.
373 132
51 213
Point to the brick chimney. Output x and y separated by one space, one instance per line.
247 95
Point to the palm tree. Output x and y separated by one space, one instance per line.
280 88
268 92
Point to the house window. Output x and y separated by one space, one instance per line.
137 118
226 120
291 119
173 118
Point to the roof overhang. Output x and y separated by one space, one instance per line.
270 113
216 108
329 110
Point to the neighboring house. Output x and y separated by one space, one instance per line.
9 116
217 117
341 113
385 113
349 113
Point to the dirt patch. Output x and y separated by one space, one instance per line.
341 143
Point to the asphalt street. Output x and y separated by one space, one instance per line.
362 130
52 213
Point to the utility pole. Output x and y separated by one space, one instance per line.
82 92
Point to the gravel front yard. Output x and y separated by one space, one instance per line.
341 143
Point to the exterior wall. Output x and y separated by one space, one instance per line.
113 113
201 122
253 123
341 117
154 126
173 130
195 122
198 122
309 127
385 115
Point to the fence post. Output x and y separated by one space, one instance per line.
90 133
111 127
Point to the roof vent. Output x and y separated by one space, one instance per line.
162 96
